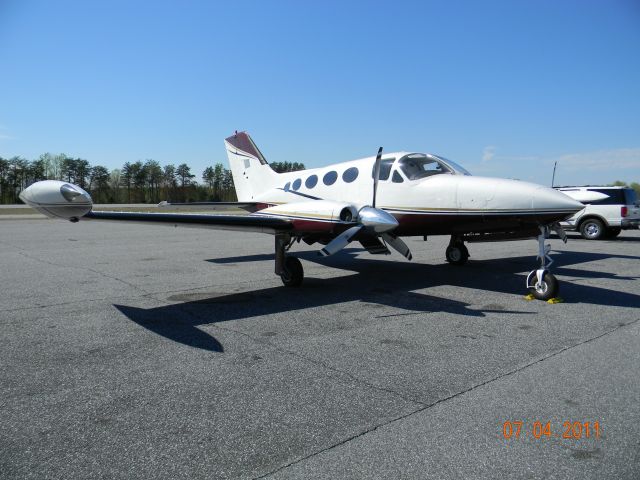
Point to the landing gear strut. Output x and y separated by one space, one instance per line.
541 283
457 253
289 268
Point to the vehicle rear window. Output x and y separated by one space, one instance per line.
632 197
615 196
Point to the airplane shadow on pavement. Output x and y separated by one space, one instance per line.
385 282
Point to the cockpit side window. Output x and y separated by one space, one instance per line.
418 166
385 168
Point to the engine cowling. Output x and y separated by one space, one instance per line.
57 199
320 210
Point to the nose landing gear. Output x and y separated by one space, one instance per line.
541 283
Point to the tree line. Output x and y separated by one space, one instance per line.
135 182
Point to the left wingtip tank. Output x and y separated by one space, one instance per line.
57 199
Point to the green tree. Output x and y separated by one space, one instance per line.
4 180
126 179
17 176
183 172
114 185
282 167
154 179
228 188
83 173
208 177
139 180
100 183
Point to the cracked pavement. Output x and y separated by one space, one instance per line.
154 352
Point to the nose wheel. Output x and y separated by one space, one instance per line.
544 286
541 283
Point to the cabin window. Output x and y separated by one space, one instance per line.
397 178
296 184
311 182
330 178
418 166
287 186
385 168
350 174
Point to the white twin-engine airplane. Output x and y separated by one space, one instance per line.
374 201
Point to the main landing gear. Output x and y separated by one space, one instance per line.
541 283
457 253
289 268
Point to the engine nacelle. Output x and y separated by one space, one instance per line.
57 199
320 210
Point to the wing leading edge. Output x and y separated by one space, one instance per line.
254 223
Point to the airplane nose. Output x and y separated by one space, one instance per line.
552 200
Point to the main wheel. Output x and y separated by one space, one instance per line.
592 229
547 288
457 254
613 232
293 273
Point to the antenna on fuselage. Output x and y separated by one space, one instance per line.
376 176
553 178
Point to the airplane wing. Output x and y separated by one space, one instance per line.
257 223
334 224
318 219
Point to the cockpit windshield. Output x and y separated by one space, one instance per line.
419 165
457 167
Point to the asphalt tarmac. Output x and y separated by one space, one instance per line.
134 351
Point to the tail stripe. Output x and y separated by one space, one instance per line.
244 143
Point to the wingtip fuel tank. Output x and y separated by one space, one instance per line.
57 199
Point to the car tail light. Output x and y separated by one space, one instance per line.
623 211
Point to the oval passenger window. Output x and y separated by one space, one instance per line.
330 178
350 174
311 181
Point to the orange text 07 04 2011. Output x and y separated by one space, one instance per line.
537 429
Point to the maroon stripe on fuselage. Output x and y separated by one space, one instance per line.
316 226
445 224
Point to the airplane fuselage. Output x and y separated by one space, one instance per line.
446 200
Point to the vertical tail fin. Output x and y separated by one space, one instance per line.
252 175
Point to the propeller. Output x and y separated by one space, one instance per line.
376 221
376 176
397 244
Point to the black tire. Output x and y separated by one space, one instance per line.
548 288
592 229
613 232
293 273
457 254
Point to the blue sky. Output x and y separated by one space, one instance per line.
505 88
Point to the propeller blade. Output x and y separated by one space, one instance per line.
376 176
341 241
398 245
